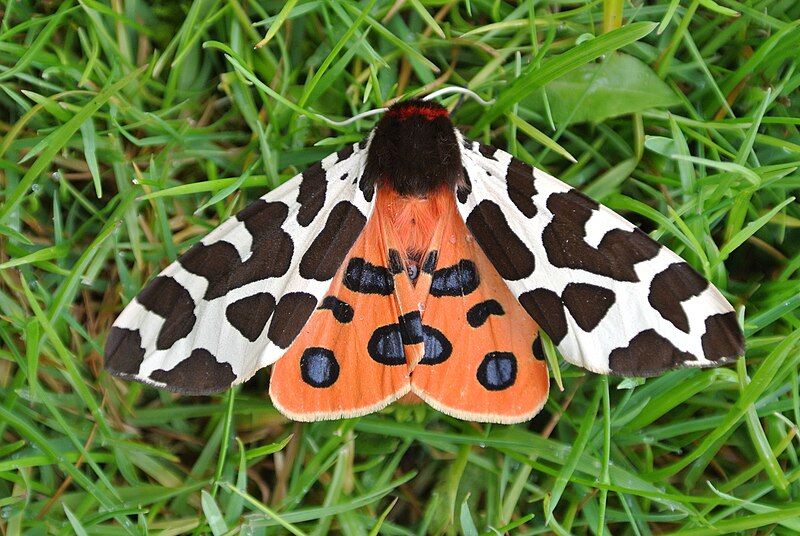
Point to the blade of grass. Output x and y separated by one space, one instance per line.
276 24
59 138
585 427
760 381
43 38
531 78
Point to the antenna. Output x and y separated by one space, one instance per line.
460 90
353 119
431 96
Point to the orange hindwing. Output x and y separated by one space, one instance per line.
416 307
347 360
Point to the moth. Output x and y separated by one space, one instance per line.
419 264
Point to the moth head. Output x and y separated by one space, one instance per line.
414 149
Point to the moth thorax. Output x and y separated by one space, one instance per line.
414 149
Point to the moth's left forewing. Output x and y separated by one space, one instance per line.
235 301
612 299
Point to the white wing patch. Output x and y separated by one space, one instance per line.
235 301
612 299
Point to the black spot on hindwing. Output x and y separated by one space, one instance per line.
364 277
497 371
648 353
430 262
723 338
341 310
508 253
480 312
330 247
291 314
198 374
677 283
538 349
318 367
168 299
385 346
249 315
437 347
395 262
457 280
411 328
123 353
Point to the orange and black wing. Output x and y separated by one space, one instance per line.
479 361
350 358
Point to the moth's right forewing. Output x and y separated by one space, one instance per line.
236 301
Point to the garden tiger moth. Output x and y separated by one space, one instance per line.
419 263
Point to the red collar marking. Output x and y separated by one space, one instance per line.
410 111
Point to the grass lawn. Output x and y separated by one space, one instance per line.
130 128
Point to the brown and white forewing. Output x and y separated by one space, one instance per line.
236 301
612 299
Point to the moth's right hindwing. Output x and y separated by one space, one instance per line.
237 300
611 298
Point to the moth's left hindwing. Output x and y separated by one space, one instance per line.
612 299
237 300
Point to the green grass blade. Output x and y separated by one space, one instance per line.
277 22
534 78
59 138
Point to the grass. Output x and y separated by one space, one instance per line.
131 128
